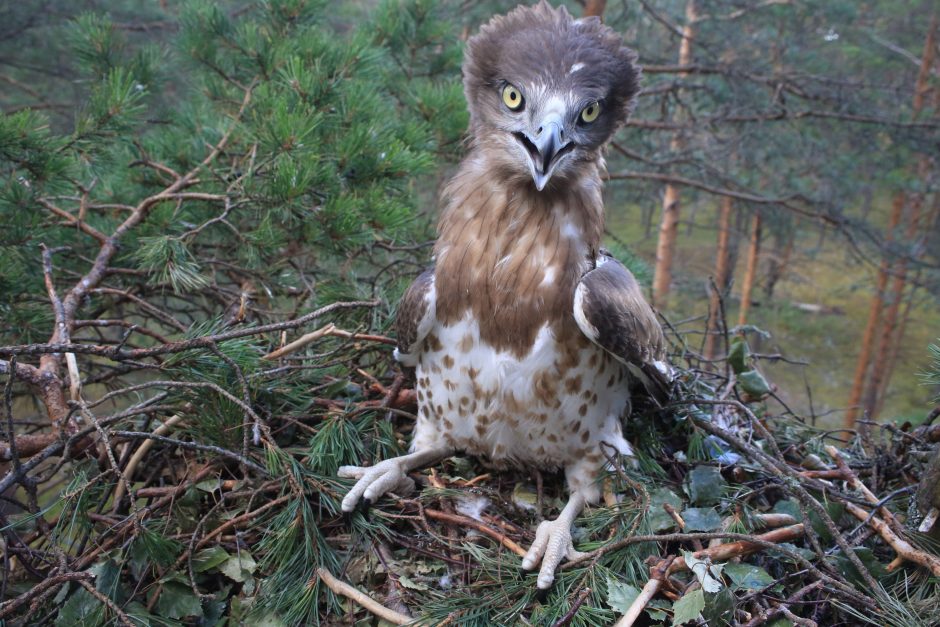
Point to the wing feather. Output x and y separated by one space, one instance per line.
415 317
610 310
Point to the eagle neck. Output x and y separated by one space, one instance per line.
510 257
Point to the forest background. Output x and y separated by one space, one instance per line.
189 187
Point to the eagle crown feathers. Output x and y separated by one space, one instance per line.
560 67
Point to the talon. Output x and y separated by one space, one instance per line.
364 506
347 519
541 595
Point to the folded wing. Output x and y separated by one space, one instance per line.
415 318
610 310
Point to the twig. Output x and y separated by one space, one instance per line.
53 581
344 589
111 605
657 574
856 483
106 441
328 330
193 446
569 615
464 521
772 613
176 347
139 454
901 546
778 467
724 552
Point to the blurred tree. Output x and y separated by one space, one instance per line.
212 190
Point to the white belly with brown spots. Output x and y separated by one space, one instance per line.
552 408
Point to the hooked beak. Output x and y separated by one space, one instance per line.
545 148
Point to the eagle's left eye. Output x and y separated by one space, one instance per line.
590 112
512 98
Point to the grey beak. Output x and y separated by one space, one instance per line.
548 141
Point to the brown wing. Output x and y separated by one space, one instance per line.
610 310
415 317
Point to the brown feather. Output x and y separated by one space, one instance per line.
497 242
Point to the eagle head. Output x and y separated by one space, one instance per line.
546 91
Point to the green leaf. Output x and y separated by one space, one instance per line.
210 558
80 609
705 485
411 584
620 596
739 355
239 567
747 576
659 520
656 609
701 519
753 383
708 574
689 607
719 608
177 600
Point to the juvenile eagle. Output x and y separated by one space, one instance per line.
524 335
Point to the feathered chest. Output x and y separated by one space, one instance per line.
551 407
513 259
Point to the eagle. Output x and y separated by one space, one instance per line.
525 335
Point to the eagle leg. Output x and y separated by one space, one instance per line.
390 475
553 542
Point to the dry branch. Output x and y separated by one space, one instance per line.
903 547
657 574
344 589
464 521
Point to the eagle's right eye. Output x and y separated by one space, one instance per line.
512 98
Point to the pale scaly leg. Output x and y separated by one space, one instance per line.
390 475
553 542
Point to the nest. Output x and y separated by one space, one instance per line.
731 513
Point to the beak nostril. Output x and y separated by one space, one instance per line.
539 132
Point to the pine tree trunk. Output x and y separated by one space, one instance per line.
722 278
753 255
892 344
778 262
874 316
666 245
891 331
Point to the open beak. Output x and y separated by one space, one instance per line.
545 148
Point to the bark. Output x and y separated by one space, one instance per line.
666 245
874 316
778 262
722 279
753 256
595 8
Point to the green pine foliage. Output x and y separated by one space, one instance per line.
251 164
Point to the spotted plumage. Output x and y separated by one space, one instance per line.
524 335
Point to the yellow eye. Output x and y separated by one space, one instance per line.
512 98
590 112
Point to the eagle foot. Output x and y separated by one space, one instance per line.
553 543
390 475
374 481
